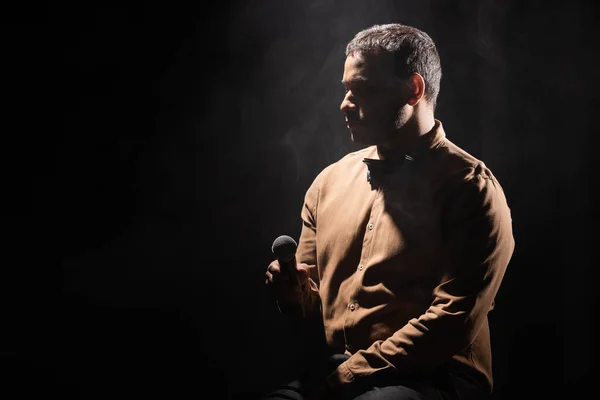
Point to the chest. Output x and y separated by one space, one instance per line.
393 219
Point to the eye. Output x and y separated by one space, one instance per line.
358 91
365 90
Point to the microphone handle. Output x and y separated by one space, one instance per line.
288 267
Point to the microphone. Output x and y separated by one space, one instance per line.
284 248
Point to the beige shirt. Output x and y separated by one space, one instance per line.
406 267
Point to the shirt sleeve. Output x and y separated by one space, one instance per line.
307 246
477 244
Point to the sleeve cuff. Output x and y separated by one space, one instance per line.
340 376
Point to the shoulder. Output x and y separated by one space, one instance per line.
449 163
463 179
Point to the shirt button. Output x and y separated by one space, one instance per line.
371 227
349 347
360 267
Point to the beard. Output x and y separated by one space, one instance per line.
402 117
380 130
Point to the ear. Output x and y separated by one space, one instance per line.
416 89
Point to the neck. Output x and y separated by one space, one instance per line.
406 136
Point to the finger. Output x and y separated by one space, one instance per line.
302 273
274 274
269 277
274 266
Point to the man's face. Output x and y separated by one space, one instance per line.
373 104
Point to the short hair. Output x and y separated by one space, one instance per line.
413 50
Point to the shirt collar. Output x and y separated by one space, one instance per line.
423 144
432 139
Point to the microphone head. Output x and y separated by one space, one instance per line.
284 247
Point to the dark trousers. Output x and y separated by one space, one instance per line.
442 386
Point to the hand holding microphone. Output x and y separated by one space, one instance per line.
284 276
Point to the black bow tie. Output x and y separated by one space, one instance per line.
377 168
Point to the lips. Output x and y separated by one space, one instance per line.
353 122
353 118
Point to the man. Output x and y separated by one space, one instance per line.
404 243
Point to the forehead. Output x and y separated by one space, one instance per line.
368 67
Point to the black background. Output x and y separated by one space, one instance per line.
151 154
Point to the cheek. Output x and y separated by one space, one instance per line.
395 109
379 109
382 112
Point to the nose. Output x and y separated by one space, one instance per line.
347 104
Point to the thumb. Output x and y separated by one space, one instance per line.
302 273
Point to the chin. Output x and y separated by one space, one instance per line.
362 137
359 139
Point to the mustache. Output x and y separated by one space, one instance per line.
352 116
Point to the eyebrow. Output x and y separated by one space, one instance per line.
355 80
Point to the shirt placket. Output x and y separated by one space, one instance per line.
367 247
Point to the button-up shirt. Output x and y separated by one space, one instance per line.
405 265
